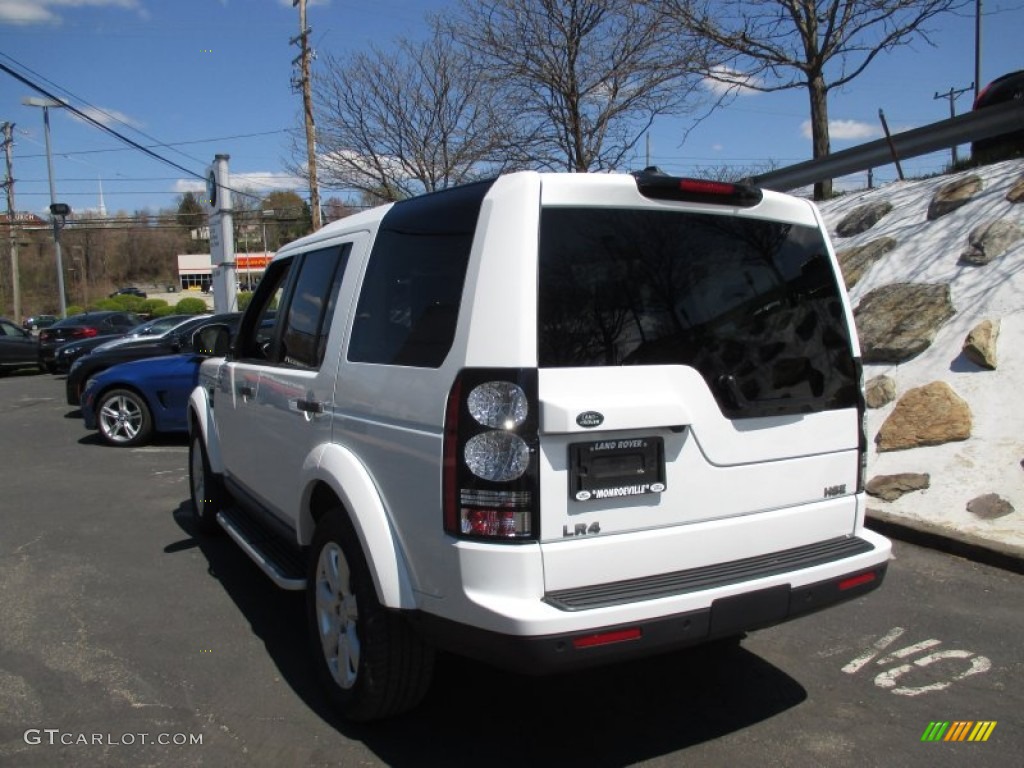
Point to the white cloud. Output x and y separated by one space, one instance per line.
27 12
349 159
725 81
181 186
24 12
270 181
257 182
848 130
109 117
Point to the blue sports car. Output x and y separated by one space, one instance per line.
127 403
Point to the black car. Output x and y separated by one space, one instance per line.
1007 145
178 340
66 354
83 326
129 291
18 348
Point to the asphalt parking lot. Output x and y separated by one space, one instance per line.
128 640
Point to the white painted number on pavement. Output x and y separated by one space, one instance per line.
892 679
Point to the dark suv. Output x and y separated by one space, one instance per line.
1006 145
129 291
37 322
83 326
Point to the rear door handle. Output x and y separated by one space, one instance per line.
309 406
246 391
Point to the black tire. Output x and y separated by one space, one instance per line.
371 662
207 489
123 418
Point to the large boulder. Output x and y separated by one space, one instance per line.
1016 193
951 196
862 218
990 506
854 262
891 487
898 322
988 241
930 415
879 391
980 344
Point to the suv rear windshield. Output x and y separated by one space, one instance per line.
753 305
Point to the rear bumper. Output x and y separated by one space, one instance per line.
724 617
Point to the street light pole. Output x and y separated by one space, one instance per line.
8 129
54 206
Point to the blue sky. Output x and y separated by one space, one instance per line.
213 76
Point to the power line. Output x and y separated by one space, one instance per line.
120 137
104 112
169 144
107 129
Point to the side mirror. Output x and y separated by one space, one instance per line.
212 340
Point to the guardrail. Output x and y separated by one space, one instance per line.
981 124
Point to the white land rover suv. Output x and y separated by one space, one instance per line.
547 421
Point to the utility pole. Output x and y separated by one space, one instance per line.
977 48
951 95
11 216
57 210
307 106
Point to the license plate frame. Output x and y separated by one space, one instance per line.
616 468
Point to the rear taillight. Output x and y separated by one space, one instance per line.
490 455
654 184
83 333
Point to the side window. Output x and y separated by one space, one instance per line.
307 318
255 340
409 302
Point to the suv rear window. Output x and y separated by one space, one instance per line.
753 305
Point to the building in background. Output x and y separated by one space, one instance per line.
195 270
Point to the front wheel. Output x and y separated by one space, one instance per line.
124 418
207 489
371 662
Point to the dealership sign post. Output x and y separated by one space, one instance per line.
222 243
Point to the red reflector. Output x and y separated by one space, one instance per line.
491 522
706 187
606 638
856 581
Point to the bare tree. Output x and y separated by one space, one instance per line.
773 45
590 75
418 118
